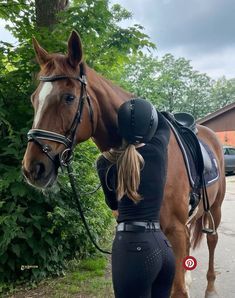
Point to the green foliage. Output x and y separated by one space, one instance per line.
39 229
88 277
223 92
103 39
45 229
139 76
171 84
181 88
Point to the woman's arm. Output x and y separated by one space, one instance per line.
103 166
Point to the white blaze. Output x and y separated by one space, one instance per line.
45 91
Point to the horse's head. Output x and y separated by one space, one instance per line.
59 102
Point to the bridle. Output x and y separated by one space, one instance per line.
64 159
68 140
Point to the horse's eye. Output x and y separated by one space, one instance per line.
69 98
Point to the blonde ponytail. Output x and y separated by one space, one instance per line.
129 164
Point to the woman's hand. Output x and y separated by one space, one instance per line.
115 213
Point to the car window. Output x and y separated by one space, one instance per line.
231 151
226 151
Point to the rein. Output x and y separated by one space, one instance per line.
77 197
66 157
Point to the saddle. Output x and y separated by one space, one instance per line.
187 120
199 160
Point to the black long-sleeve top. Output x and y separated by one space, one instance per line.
152 179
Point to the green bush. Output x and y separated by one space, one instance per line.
35 228
45 229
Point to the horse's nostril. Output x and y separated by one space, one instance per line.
39 170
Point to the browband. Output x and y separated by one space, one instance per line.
62 77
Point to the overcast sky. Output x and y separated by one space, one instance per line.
202 31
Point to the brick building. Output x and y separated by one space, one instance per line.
222 122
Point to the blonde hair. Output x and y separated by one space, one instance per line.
129 164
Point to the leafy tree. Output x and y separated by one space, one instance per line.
171 84
181 88
46 12
223 93
197 96
107 46
139 76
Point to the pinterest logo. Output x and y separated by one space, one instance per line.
189 263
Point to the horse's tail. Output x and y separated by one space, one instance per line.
196 229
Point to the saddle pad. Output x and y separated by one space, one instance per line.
211 175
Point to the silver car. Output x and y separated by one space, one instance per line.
229 159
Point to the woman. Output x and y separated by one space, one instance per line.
133 179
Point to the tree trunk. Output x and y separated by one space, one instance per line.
46 11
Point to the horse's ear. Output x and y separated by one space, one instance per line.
41 54
74 49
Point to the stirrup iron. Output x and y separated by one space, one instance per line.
206 229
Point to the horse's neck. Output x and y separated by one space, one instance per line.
106 99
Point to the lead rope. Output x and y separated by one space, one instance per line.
77 198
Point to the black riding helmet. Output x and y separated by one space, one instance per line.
137 121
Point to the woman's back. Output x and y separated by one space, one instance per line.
152 179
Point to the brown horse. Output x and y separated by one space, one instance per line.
58 99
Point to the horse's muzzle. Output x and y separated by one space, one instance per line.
36 175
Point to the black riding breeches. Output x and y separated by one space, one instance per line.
143 265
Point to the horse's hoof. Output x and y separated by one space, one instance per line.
212 294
